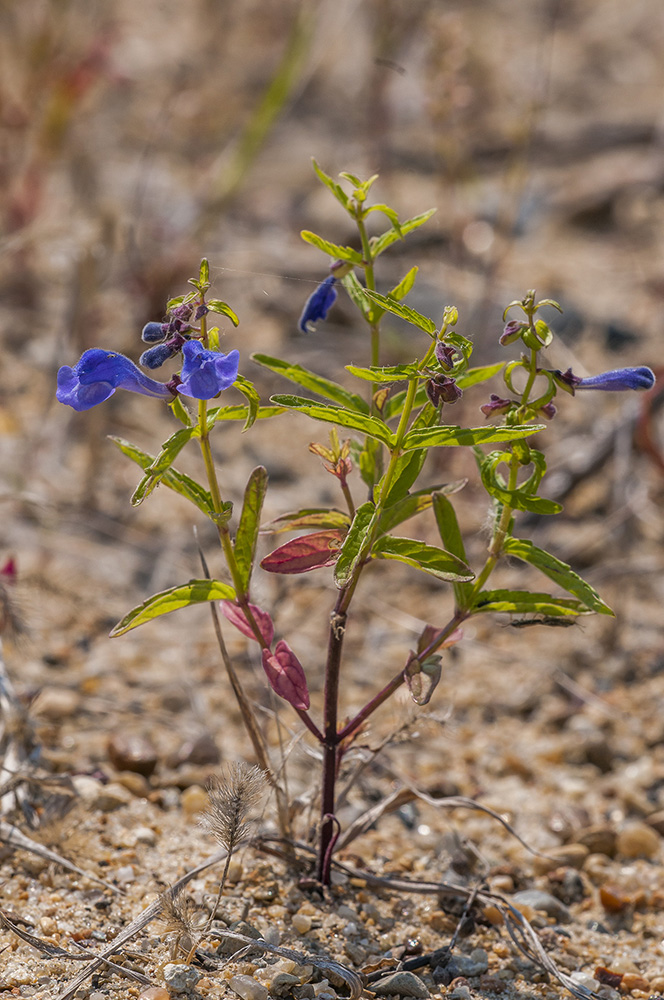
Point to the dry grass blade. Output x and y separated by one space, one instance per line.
53 951
406 794
11 835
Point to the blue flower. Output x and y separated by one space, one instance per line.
98 374
618 380
205 373
318 305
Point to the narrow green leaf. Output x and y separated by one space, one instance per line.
473 376
194 592
409 464
174 480
308 517
391 373
369 459
354 548
558 571
391 215
240 413
369 309
217 306
315 383
335 188
248 390
333 249
401 290
248 528
452 539
524 602
162 463
337 415
381 243
180 411
451 435
404 312
403 510
394 404
429 558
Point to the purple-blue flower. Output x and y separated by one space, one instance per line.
318 305
205 373
618 380
98 374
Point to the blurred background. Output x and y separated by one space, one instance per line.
139 137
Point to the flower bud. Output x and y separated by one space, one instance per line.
443 389
495 405
444 354
154 332
511 332
155 357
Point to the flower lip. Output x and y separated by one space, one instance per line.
205 373
318 305
96 376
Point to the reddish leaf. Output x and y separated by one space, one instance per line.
237 617
321 548
286 675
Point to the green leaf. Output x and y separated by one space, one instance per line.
248 528
402 510
452 539
308 517
381 243
180 411
391 215
369 459
391 373
558 571
473 376
335 188
355 290
451 435
401 290
174 480
194 592
429 558
162 463
336 415
354 548
404 312
315 383
524 602
240 413
333 249
248 390
217 306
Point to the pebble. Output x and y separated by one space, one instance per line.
568 856
48 926
134 783
202 750
194 800
656 821
248 988
180 978
283 984
460 992
155 993
111 797
633 981
599 839
301 922
405 984
584 979
144 835
56 703
638 840
475 964
131 752
537 899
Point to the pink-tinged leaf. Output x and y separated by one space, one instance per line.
237 617
286 675
321 548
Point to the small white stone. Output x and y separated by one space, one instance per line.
180 977
301 923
